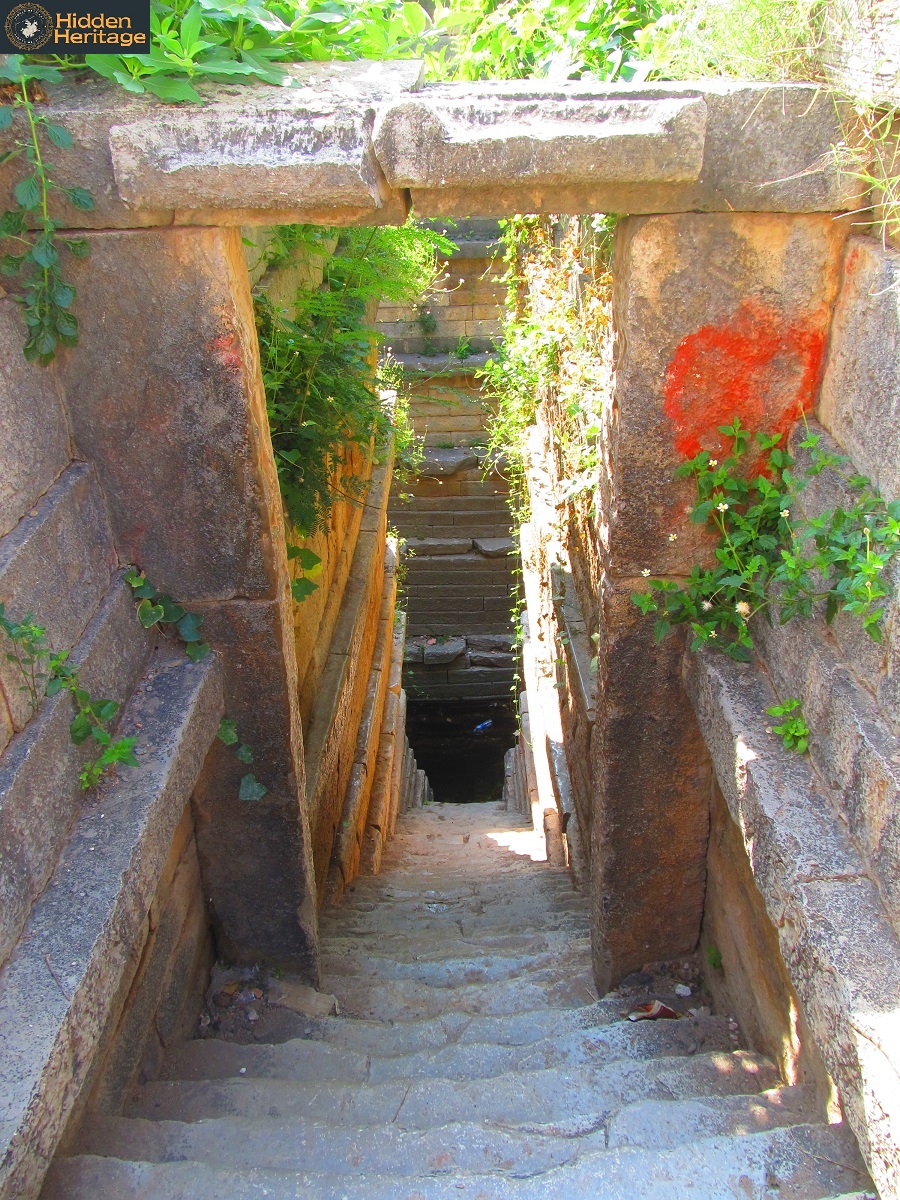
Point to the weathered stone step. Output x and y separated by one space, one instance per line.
275 1144
305 1060
454 921
801 1163
452 972
402 999
272 1144
411 948
590 1094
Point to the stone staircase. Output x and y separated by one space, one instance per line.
471 1058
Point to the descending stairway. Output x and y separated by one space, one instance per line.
471 1058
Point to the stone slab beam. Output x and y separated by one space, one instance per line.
347 143
494 148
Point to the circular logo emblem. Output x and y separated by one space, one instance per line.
29 26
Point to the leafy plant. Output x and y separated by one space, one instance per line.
309 565
768 558
714 957
322 391
46 298
250 788
158 608
793 730
43 671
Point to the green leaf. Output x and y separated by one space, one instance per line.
172 612
149 614
80 729
196 651
105 710
308 560
62 293
59 135
28 192
100 735
6 116
168 88
302 588
244 753
227 731
79 247
11 264
12 222
81 198
44 252
189 626
251 789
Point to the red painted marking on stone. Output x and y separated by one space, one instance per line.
758 366
229 349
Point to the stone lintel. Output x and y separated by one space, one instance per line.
345 143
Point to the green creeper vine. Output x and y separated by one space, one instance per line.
46 298
770 560
41 669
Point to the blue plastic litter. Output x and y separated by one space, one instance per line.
482 727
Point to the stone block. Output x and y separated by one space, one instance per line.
443 652
492 641
56 564
860 400
495 547
698 349
88 921
204 519
439 462
496 659
840 951
39 790
495 148
427 547
502 135
34 437
259 914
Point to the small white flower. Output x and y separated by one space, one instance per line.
673 537
645 573
723 507
705 605
712 633
713 462
785 512
742 608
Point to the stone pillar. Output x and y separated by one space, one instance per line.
716 315
167 402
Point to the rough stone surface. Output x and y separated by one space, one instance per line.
860 400
34 437
58 990
199 518
438 463
551 1099
56 564
40 794
841 953
443 652
506 134
429 546
494 547
764 148
696 349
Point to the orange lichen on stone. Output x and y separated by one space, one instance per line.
759 366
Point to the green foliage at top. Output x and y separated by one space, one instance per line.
33 251
323 391
769 559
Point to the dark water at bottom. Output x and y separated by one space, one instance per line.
463 766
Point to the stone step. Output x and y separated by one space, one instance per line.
275 1144
412 948
453 972
806 1162
399 999
445 919
305 1060
545 1096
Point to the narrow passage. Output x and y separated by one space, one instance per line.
471 1058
